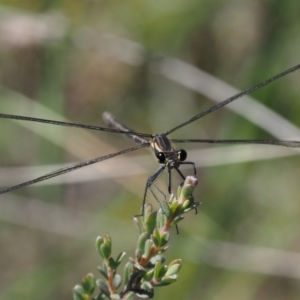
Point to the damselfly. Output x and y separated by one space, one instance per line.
168 157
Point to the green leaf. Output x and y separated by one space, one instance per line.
112 264
160 219
165 236
103 270
166 280
174 206
89 283
166 209
157 258
188 187
128 269
155 241
147 211
138 254
142 241
107 240
147 250
157 271
103 273
179 191
150 223
120 258
174 269
117 281
186 204
175 262
138 226
156 237
78 292
105 250
149 275
101 296
103 287
99 242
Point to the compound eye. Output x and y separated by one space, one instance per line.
161 157
182 155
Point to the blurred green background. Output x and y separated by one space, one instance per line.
76 59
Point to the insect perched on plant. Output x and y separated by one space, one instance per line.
167 156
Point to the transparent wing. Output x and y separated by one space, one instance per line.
71 168
290 144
